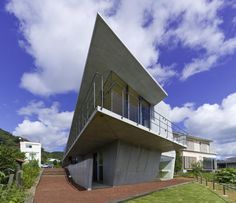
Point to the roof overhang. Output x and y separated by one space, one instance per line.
105 127
108 53
191 137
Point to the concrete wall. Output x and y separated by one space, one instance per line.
109 162
135 164
82 173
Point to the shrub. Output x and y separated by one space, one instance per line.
2 176
178 162
226 175
30 173
197 168
11 195
8 156
56 164
188 174
208 175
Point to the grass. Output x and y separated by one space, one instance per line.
187 193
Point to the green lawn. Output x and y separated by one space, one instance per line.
189 193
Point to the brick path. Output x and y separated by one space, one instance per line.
55 188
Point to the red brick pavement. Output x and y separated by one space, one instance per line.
56 189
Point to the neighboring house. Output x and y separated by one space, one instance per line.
32 151
117 135
227 163
198 149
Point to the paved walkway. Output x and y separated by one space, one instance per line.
55 188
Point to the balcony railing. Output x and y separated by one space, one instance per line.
115 97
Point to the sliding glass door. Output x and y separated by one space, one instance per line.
144 107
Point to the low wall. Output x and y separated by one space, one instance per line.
82 173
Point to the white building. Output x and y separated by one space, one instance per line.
198 150
32 151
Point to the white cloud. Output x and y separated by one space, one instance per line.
45 124
213 121
162 73
198 65
179 114
57 35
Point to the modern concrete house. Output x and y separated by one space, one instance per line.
32 151
198 149
117 135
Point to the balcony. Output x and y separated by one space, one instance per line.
117 97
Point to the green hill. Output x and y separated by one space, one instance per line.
10 140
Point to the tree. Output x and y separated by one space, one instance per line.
178 162
196 168
8 156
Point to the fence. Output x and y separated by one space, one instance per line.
227 190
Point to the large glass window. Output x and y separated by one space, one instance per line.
123 100
133 106
117 95
208 163
188 161
144 107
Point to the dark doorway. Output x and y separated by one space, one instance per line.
97 167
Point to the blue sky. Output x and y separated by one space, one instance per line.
189 47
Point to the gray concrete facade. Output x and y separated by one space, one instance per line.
135 164
109 162
82 172
123 163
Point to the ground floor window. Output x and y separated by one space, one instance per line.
188 161
208 163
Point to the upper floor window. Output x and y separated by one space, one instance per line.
122 99
28 146
204 147
144 107
190 145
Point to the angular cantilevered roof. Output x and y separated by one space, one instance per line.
108 53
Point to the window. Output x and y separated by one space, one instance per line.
32 156
133 108
144 113
208 163
204 147
120 98
190 145
117 101
28 146
188 161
